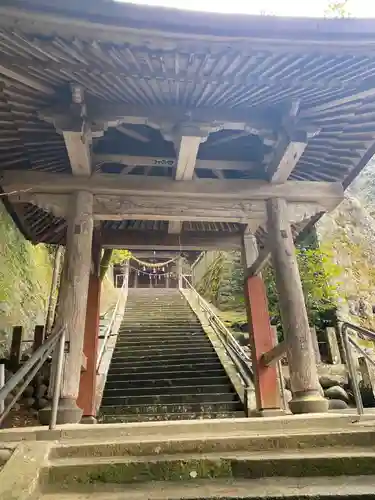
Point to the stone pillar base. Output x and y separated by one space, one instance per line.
88 420
308 402
67 413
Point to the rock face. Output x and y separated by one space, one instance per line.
349 234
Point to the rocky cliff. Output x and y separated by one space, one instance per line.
25 280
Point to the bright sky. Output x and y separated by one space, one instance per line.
305 8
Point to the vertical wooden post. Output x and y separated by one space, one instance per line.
315 343
15 348
260 334
71 314
333 346
39 332
300 353
87 389
368 376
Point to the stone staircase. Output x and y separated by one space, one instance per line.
164 367
294 457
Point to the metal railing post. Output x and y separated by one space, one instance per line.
352 370
57 381
2 383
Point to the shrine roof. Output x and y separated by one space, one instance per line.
268 72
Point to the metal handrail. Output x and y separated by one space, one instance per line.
108 330
235 351
348 343
28 371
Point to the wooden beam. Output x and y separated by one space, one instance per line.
315 110
149 161
187 151
16 75
328 194
187 145
78 148
187 240
139 207
275 354
116 114
133 134
287 154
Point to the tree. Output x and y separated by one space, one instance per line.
337 8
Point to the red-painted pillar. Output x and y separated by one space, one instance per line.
261 340
87 388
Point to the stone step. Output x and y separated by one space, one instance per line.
154 384
152 342
117 390
169 417
174 372
169 399
160 330
167 351
223 465
246 441
165 326
164 358
324 488
204 407
198 364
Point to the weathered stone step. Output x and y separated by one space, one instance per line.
200 364
125 470
152 342
322 488
168 388
169 399
153 384
240 442
162 332
139 374
165 358
168 351
204 407
165 417
162 327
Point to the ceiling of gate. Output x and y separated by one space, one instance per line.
246 79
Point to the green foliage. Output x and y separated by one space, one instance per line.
319 276
337 8
120 256
25 280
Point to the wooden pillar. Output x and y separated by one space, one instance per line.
71 313
15 348
260 333
87 388
300 353
135 279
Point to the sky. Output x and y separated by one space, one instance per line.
310 8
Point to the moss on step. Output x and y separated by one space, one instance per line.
174 469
